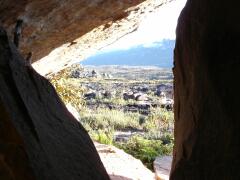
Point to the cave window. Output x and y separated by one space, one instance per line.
127 88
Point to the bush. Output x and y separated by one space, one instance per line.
167 138
160 120
103 118
67 89
103 137
145 150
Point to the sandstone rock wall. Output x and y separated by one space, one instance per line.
67 31
39 138
206 77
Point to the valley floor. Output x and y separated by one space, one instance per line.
128 107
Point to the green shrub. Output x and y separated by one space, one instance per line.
159 119
145 150
167 138
68 89
103 137
103 118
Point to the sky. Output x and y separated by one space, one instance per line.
154 28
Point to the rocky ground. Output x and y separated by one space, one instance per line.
125 110
122 166
138 88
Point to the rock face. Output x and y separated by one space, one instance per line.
39 138
77 28
162 167
122 166
14 163
206 94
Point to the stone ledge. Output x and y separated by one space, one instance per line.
122 166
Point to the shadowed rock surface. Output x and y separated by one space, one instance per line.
77 28
206 94
48 143
39 138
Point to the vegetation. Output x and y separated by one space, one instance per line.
103 118
146 150
102 122
102 136
68 91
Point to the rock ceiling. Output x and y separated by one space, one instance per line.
61 32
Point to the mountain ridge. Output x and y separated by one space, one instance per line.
158 54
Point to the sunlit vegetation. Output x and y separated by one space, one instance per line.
103 116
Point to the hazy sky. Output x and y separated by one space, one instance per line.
155 27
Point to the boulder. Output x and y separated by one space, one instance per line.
122 166
143 88
143 108
162 167
127 96
39 138
106 75
166 103
75 74
90 95
107 94
95 74
164 89
141 97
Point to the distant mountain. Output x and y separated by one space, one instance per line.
158 54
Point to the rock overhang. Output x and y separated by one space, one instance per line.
59 33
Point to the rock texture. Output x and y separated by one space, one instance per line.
45 142
206 75
162 167
122 166
39 138
14 163
74 28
